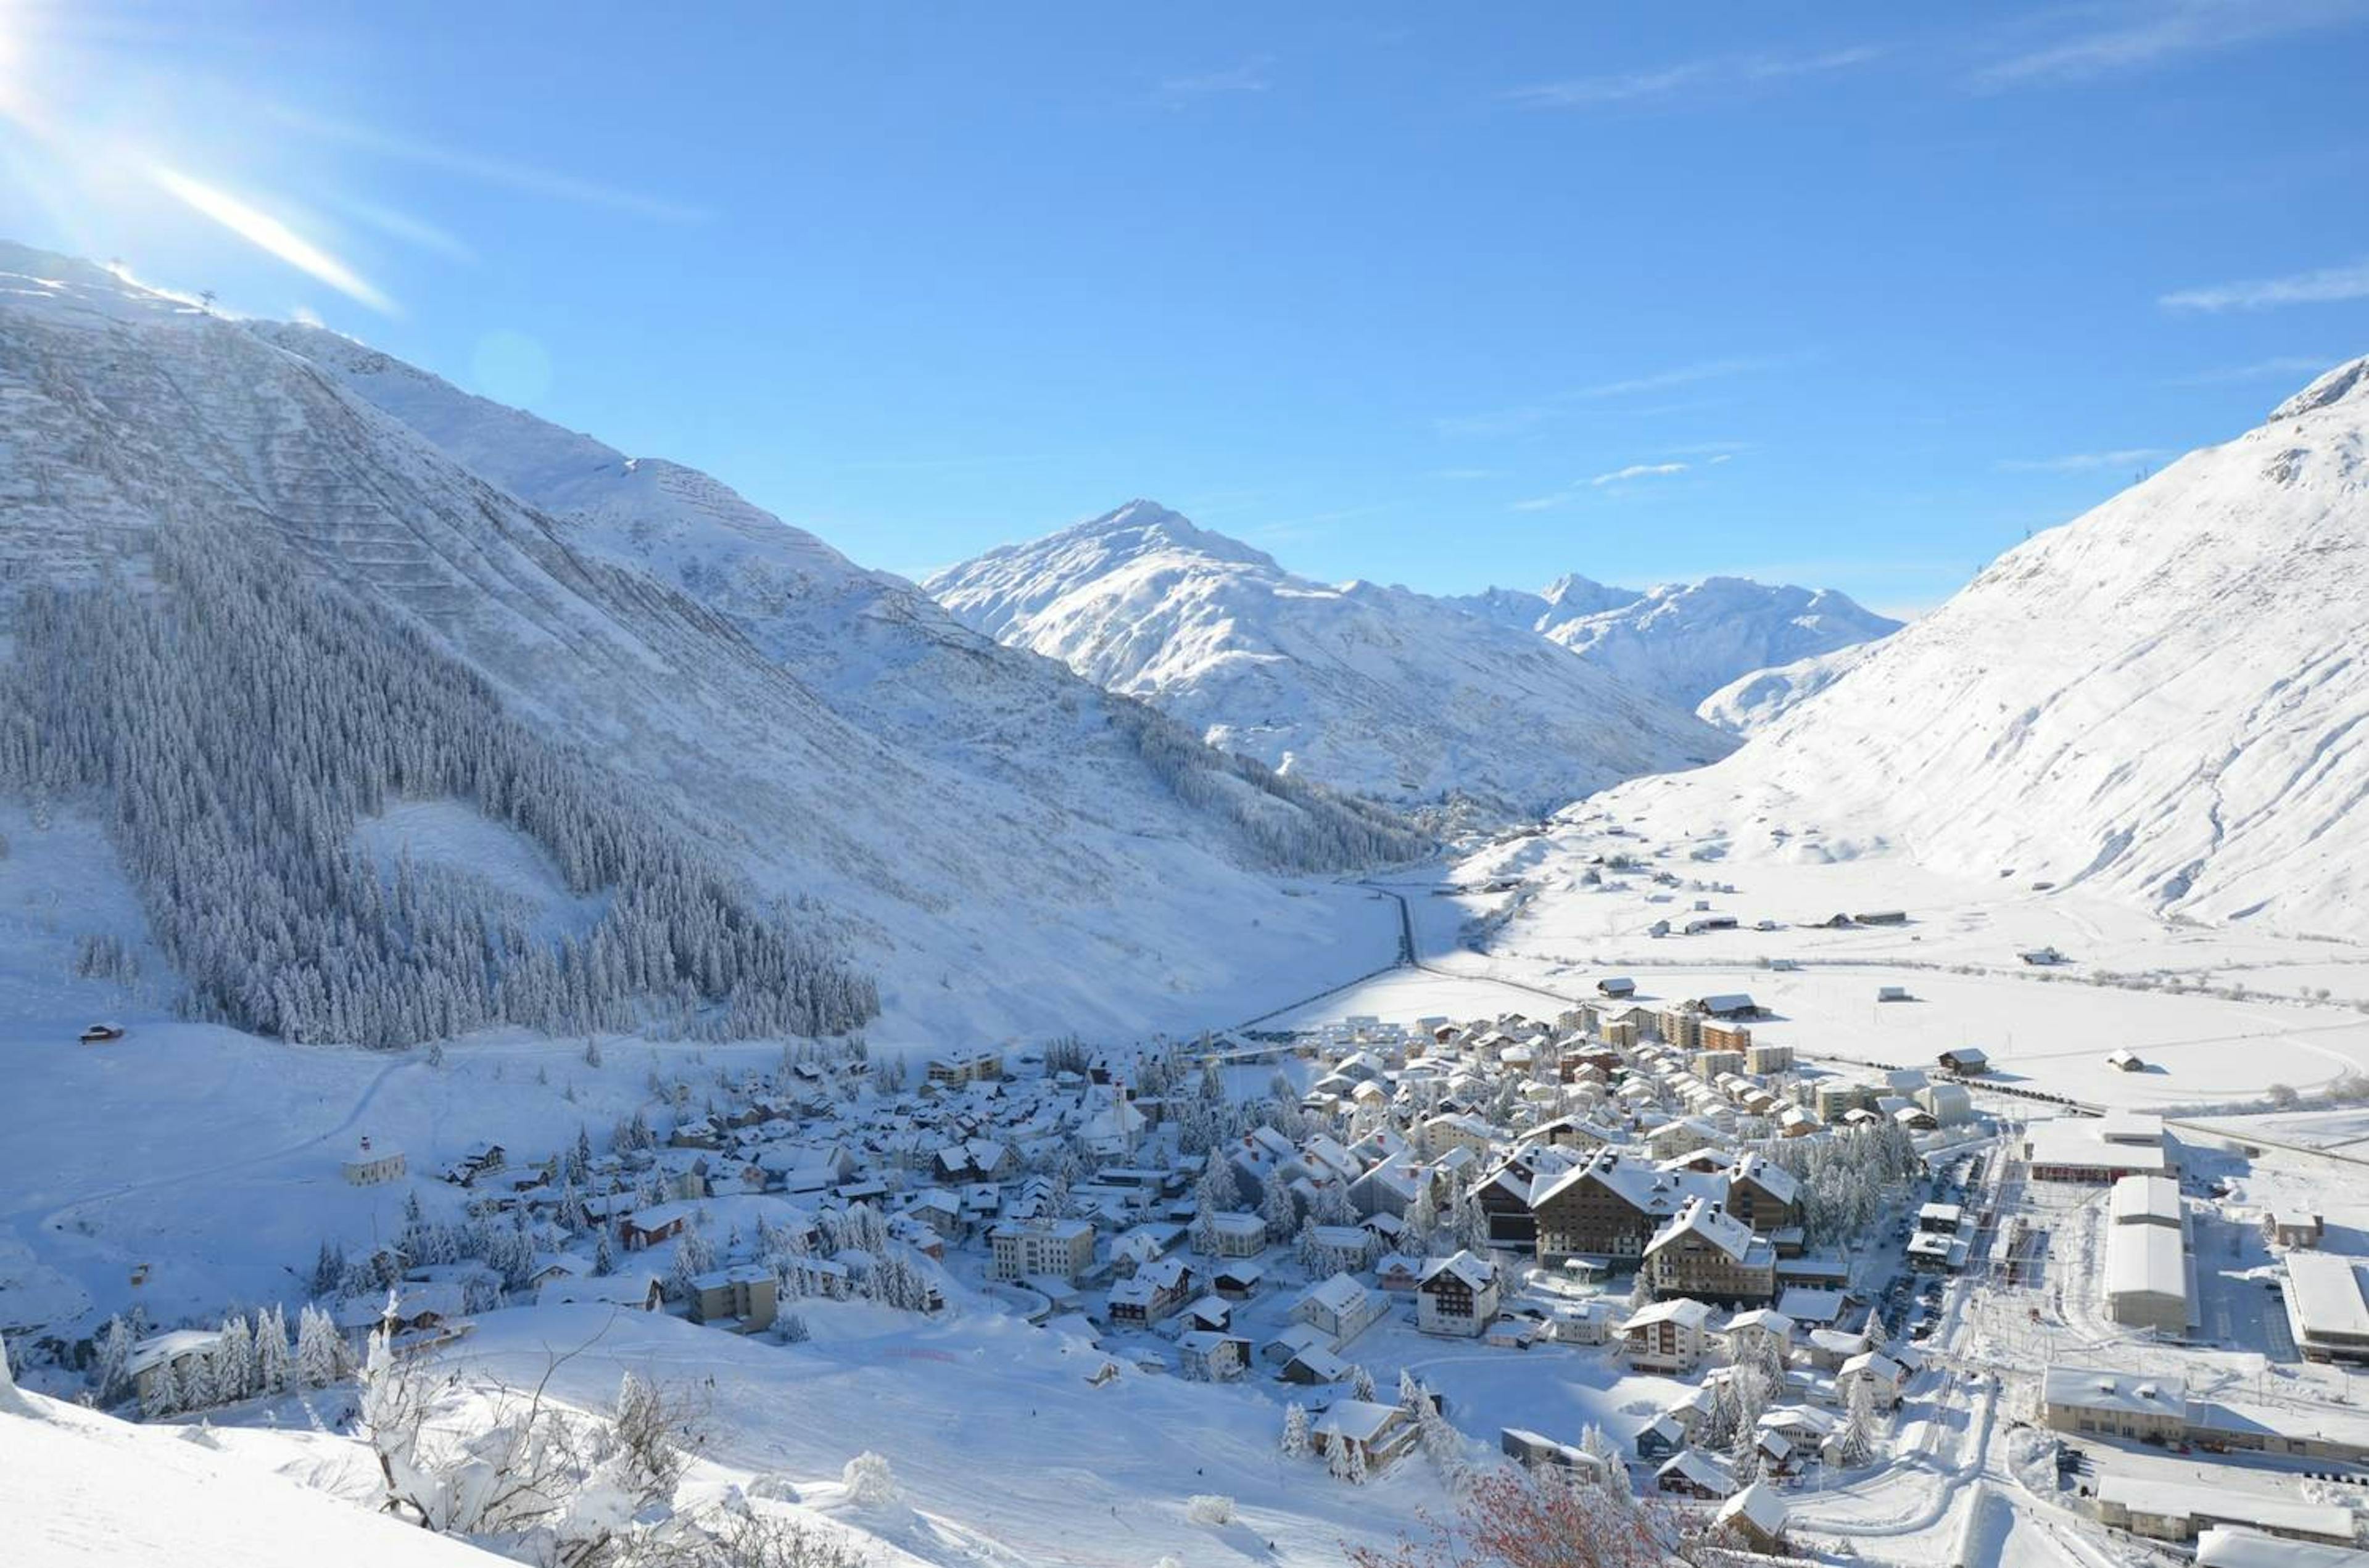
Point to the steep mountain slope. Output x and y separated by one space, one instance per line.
724 684
2164 700
1374 689
1684 641
1754 701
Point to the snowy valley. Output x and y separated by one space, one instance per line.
561 1017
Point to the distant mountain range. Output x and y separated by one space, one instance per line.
1407 698
1404 696
1684 641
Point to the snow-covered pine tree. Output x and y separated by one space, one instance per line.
320 1353
234 1361
1295 1430
274 1359
111 1375
1855 1439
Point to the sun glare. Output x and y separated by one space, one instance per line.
267 233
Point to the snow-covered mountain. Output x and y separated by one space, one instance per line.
1754 701
799 769
1379 689
2165 700
1684 641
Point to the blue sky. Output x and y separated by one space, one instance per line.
1850 295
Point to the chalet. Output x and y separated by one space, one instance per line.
1581 1322
1763 1194
163 1363
1693 1473
1660 1437
1761 1327
1669 1336
1705 1252
1883 917
1755 1518
1212 1356
1398 1273
1880 1372
1238 1281
1967 1062
1456 1295
1152 1294
1615 985
2124 1059
1608 1207
1313 1366
1381 1432
1534 1451
1503 1198
1892 993
649 1227
635 1292
1729 1004
1340 1307
2040 957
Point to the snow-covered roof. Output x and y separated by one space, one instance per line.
2124 1393
1682 1309
2180 1500
2146 1261
2324 1294
170 1345
1476 1273
2080 1142
1710 1224
2138 1199
1359 1420
1757 1502
1700 1469
2233 1546
1341 1293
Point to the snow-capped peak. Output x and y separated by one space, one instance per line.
1359 684
2348 381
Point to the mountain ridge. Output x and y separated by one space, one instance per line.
1372 688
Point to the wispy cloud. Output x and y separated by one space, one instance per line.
1255 75
1684 375
1639 471
491 170
2135 35
1518 418
2278 366
2082 462
1713 72
2318 287
1613 478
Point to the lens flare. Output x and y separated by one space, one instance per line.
267 233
